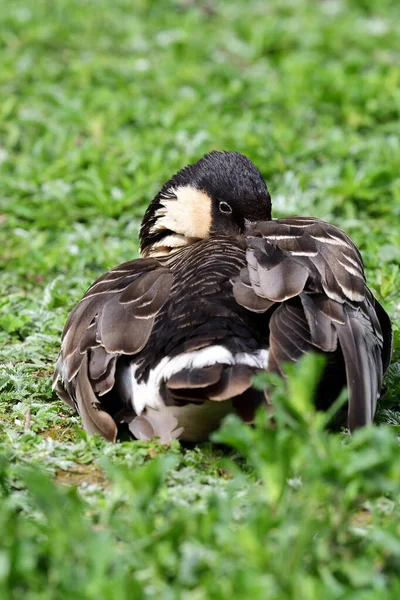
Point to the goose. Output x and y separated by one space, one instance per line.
168 344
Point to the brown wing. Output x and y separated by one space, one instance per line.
315 274
114 317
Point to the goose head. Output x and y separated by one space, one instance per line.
219 194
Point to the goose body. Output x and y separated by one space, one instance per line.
169 343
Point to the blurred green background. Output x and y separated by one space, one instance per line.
102 101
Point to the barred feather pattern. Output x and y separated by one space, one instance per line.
313 275
147 309
291 285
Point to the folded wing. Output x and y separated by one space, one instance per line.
311 276
115 317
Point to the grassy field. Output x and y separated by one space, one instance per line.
100 102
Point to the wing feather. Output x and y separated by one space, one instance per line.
311 276
95 420
115 317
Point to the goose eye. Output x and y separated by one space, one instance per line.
225 208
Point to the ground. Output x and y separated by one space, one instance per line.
101 101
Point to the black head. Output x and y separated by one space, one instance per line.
217 194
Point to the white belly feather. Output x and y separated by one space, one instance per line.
197 420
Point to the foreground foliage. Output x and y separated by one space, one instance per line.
100 102
298 513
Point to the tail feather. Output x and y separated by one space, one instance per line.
363 366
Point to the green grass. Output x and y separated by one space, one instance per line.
100 102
